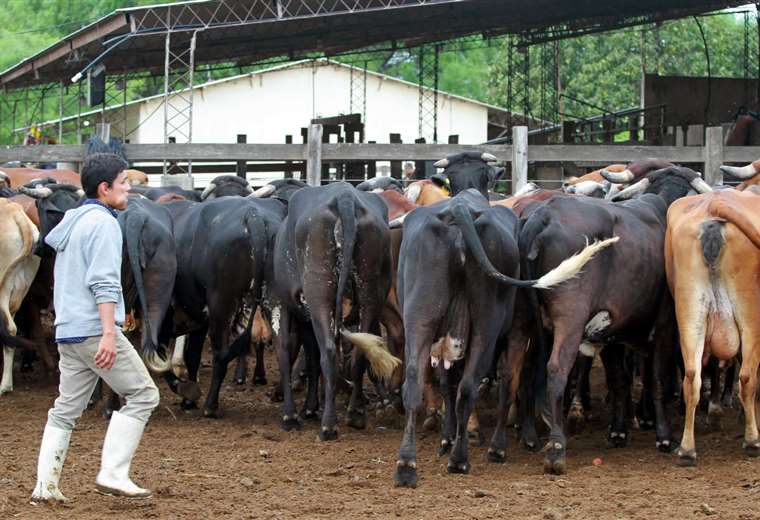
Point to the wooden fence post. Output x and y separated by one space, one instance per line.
314 156
713 155
519 157
242 165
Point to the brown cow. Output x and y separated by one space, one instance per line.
136 178
712 258
425 193
20 176
595 176
18 266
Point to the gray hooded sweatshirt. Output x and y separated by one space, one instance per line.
87 271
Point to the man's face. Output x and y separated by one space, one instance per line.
115 196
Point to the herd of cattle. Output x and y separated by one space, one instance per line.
442 282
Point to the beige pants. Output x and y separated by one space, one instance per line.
128 377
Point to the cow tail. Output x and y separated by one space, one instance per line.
375 348
259 240
155 359
718 208
711 239
346 243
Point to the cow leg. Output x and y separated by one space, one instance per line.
327 360
6 385
619 387
567 338
691 324
97 394
192 356
282 337
748 391
510 382
576 415
310 410
480 349
417 358
714 406
259 373
534 391
664 372
241 368
645 413
727 397
449 380
432 403
113 402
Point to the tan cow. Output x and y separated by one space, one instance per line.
20 176
424 193
712 261
18 266
136 178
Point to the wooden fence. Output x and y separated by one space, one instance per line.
314 153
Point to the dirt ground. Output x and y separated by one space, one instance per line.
243 466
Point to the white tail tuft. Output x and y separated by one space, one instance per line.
571 267
375 348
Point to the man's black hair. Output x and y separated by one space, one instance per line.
100 167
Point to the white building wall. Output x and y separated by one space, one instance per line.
269 105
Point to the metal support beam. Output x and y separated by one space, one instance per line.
358 92
519 157
427 75
178 96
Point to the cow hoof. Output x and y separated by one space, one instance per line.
357 418
476 438
259 381
406 474
290 423
107 413
326 434
686 458
617 439
530 443
239 381
211 413
646 424
445 447
497 456
666 446
432 421
186 405
190 390
751 448
554 461
460 468
309 415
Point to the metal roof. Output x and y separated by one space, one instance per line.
247 31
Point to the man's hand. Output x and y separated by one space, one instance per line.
106 354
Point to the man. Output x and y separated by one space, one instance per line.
89 310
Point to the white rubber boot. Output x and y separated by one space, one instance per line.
122 439
55 444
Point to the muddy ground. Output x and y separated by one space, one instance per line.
243 466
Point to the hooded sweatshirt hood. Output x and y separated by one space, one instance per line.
58 238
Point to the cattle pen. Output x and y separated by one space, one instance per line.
244 463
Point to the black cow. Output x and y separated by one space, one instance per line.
618 298
221 278
226 186
281 189
467 170
381 183
165 193
451 254
332 249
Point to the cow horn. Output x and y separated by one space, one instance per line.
209 189
442 163
487 157
398 221
528 188
632 190
585 188
263 192
618 177
38 192
745 172
700 185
